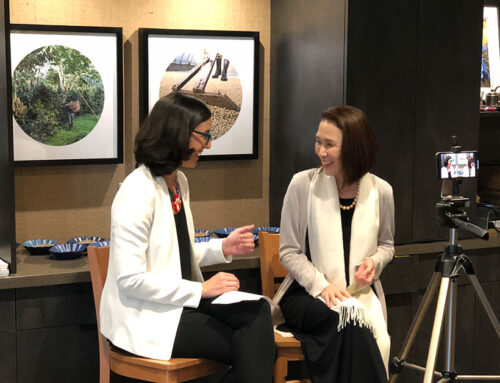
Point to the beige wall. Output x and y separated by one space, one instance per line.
60 202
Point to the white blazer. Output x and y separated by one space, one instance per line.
144 293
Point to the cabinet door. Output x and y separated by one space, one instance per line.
381 67
447 99
58 354
307 76
8 356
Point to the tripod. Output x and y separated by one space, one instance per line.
447 269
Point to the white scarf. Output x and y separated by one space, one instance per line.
327 250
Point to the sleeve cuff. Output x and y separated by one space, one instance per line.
319 284
195 298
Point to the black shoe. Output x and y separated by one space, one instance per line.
218 60
224 70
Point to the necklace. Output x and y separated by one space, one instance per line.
176 200
349 207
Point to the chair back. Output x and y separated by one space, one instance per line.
98 263
270 266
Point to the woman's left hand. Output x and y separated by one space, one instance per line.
365 273
239 242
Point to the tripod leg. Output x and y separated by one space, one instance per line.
415 325
450 324
436 330
484 301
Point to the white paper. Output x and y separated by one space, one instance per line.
3 265
235 297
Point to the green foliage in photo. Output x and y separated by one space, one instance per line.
44 83
81 128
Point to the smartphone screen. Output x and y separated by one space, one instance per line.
457 165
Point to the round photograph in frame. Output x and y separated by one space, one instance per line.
220 68
211 78
57 95
67 93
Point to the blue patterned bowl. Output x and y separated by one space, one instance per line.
85 240
67 251
224 232
269 229
99 244
39 246
202 239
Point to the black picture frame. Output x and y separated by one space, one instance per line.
88 63
181 60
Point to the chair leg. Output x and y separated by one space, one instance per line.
280 370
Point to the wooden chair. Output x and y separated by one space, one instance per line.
289 348
121 362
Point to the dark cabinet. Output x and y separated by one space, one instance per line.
381 81
413 66
48 334
307 76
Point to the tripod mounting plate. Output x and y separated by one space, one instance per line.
451 208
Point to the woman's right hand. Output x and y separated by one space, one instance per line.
331 293
219 284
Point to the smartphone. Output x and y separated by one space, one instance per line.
463 164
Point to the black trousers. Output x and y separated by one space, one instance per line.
240 335
347 356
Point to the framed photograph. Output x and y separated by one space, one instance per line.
490 56
218 67
67 99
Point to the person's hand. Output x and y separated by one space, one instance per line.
332 293
219 284
365 273
239 241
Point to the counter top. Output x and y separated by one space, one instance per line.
41 270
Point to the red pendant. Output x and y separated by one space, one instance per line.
176 203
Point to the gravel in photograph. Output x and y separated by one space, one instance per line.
223 119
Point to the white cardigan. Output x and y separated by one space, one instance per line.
293 238
144 293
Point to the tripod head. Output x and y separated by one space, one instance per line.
450 210
450 213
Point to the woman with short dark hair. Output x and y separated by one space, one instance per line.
337 234
162 143
155 302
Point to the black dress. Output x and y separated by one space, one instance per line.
239 334
350 355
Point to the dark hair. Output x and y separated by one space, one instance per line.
162 143
470 162
359 144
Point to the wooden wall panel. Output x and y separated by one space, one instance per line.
7 310
487 341
55 354
381 75
412 67
67 201
8 357
52 306
307 74
447 97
